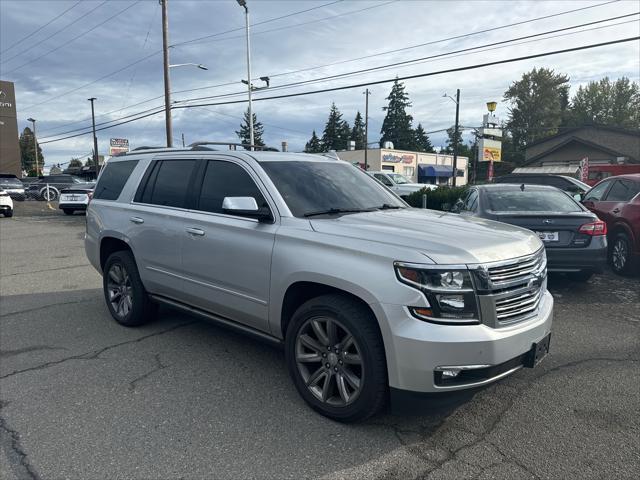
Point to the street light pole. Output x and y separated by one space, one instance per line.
366 129
35 141
243 3
95 139
167 79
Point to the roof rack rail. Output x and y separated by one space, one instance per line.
147 148
233 146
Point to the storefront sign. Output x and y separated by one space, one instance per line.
399 158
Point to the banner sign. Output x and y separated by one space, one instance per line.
584 169
490 171
118 146
399 158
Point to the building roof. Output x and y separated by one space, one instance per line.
554 169
629 131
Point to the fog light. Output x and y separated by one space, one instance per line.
450 373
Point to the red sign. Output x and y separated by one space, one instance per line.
584 169
490 171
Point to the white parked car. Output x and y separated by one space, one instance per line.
75 198
399 184
6 204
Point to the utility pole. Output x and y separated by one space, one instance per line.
366 129
183 140
35 141
455 140
167 79
243 4
95 139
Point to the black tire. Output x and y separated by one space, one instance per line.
582 276
351 318
139 309
68 211
8 213
53 194
620 257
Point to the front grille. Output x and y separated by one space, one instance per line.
518 269
518 305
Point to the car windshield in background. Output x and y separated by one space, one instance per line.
398 179
313 187
9 181
531 201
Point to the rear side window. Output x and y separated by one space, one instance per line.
168 183
225 179
113 178
596 193
622 191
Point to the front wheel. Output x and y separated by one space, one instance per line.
335 356
620 254
124 293
49 195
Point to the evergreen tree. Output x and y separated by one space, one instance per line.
539 105
75 163
27 153
422 141
464 150
336 131
244 133
314 144
396 126
357 132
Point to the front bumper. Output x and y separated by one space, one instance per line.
415 349
592 258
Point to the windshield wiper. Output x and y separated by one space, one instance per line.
335 211
386 206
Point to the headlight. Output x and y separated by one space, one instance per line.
450 295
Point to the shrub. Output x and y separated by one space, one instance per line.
442 198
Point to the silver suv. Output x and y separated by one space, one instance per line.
367 295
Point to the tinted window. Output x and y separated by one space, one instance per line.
596 193
471 201
309 187
226 179
531 201
622 191
169 183
113 178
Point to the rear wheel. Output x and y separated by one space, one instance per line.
620 254
335 357
124 293
49 194
68 211
8 213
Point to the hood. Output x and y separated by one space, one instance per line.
445 238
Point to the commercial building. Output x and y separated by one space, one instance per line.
9 146
602 146
419 167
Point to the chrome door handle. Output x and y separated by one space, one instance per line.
137 220
195 231
615 210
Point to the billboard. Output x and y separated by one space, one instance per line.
9 147
118 146
489 150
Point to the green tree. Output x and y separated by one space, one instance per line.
464 149
396 126
27 153
244 134
75 163
606 103
538 106
357 132
336 131
314 145
422 141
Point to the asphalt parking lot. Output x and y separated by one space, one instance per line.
84 398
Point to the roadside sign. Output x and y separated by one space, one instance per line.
118 145
584 169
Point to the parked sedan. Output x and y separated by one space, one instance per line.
399 184
75 198
616 200
575 239
6 204
48 187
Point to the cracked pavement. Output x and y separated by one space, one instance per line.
81 397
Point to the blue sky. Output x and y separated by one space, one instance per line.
55 72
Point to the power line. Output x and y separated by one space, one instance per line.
41 27
378 82
75 38
54 34
346 74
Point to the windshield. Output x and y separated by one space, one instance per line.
309 187
9 181
531 201
397 178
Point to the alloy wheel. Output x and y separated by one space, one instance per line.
619 254
119 290
329 360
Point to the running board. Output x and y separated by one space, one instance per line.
224 322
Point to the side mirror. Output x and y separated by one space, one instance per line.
245 207
578 197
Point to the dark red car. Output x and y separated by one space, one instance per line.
616 201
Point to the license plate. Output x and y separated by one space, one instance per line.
548 236
538 352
